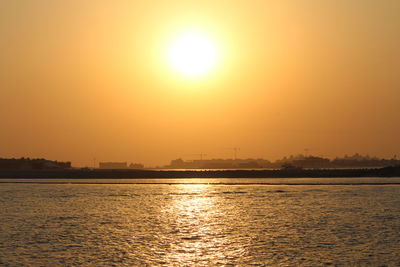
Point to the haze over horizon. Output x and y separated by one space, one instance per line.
93 79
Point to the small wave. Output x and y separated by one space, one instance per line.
277 191
61 196
66 218
196 237
123 195
315 190
183 194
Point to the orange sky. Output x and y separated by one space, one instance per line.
84 79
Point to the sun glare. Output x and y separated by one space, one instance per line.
193 54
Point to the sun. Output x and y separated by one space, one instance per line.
193 54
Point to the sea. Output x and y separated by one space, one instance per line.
200 222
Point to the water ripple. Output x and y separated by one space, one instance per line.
199 225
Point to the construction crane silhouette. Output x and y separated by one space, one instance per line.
235 150
201 155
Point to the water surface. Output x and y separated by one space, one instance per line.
203 224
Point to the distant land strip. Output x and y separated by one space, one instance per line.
392 171
186 183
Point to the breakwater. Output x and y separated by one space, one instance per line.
393 171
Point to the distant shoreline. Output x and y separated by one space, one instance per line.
393 171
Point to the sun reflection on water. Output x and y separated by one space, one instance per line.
200 232
199 225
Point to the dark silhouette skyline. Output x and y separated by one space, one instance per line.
299 161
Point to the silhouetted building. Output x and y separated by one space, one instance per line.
297 161
219 164
113 165
32 164
312 162
136 166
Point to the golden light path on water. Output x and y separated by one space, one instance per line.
199 225
199 221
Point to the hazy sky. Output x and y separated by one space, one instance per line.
84 79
